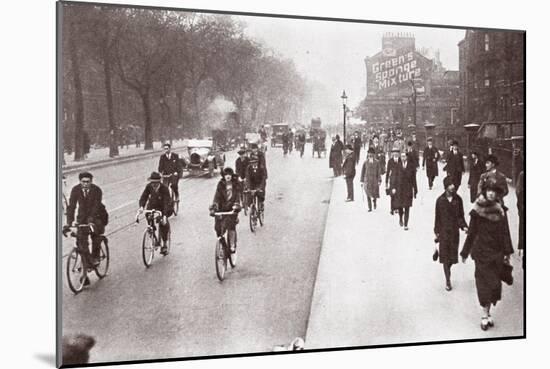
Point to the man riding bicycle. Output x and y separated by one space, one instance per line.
90 211
169 166
157 197
226 198
255 180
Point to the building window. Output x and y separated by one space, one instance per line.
486 42
486 81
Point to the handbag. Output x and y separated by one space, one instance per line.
506 273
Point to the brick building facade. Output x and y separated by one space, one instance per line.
392 74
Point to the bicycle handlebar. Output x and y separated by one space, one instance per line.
76 226
224 213
156 213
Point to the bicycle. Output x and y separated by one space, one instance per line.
223 247
256 211
167 180
151 237
76 260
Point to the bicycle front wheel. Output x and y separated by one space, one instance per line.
103 266
75 271
232 238
252 218
148 248
221 260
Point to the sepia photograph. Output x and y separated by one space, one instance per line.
234 183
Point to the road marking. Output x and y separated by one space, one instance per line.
123 206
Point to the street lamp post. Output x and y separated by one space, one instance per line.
344 101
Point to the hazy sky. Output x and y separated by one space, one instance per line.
333 53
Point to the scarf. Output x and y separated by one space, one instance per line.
491 210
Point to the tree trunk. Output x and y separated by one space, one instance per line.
113 146
78 99
148 131
197 127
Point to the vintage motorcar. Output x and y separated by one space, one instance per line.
277 131
203 157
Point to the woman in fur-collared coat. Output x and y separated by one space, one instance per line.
490 245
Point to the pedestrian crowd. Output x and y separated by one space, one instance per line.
488 241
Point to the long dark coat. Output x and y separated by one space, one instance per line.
488 241
335 156
371 177
380 155
449 218
348 167
455 167
392 179
476 169
430 157
406 185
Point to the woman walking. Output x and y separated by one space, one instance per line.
449 218
490 245
371 178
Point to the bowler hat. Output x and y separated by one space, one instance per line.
85 175
429 139
154 177
370 150
253 145
454 142
242 150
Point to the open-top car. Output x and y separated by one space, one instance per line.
203 157
277 131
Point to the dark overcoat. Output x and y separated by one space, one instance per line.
348 167
392 179
449 218
488 241
406 185
156 200
371 177
455 167
335 156
88 207
430 157
476 169
169 165
380 155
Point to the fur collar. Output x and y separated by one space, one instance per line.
491 210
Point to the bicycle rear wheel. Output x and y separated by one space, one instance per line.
148 248
221 260
103 267
75 271
252 218
232 238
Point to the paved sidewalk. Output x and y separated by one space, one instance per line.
377 284
101 155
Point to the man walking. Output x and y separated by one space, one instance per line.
455 165
405 189
379 154
430 157
392 177
348 167
371 178
335 157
